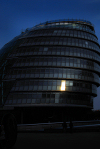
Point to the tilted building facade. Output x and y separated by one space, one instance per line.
52 65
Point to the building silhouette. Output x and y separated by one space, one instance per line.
51 71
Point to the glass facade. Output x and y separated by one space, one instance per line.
55 63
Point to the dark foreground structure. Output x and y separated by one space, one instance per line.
50 72
57 140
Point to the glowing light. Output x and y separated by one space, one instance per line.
63 86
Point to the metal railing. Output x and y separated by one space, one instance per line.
66 20
94 124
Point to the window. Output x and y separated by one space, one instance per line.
43 100
45 49
23 100
19 101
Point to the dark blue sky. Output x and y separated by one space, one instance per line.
17 15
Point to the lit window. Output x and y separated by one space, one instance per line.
63 86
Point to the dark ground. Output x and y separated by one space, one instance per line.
78 140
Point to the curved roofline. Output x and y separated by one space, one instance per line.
67 20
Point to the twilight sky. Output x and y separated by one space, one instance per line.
17 15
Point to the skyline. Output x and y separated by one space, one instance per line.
17 15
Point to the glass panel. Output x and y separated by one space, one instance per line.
49 87
23 100
52 101
38 100
33 100
43 100
19 100
47 100
14 101
10 101
56 100
28 100
53 87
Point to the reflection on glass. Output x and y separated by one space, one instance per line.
63 86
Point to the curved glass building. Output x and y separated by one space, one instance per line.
51 67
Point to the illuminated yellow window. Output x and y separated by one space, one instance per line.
63 85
